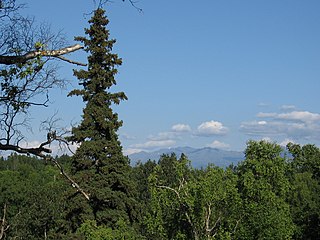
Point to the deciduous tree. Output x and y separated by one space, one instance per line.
192 204
264 186
304 196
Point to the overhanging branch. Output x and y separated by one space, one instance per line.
39 151
8 60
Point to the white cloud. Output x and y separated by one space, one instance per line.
31 144
162 139
154 144
266 115
127 136
286 141
130 151
254 128
181 128
211 128
275 128
262 104
267 139
287 107
303 116
55 147
162 136
282 143
219 145
292 125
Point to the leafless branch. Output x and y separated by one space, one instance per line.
133 4
37 151
101 3
73 183
9 60
208 217
18 94
236 226
4 226
55 132
71 61
9 7
171 189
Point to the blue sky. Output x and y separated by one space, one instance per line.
203 73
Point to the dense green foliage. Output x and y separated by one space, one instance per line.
272 194
264 188
31 191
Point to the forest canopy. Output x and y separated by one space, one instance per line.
272 194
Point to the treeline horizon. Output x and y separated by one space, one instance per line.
268 195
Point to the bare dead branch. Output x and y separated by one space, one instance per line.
208 229
8 60
38 151
52 136
236 226
4 226
71 61
9 7
101 3
73 183
133 4
208 217
171 189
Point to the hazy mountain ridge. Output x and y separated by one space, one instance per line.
199 157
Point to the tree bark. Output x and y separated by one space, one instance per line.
35 151
8 60
4 226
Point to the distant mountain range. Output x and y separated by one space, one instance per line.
199 157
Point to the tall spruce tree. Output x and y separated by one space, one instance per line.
98 164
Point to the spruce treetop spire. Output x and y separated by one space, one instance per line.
99 163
